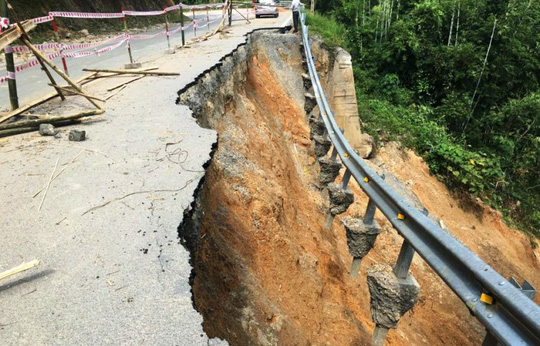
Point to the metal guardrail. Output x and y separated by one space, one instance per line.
512 318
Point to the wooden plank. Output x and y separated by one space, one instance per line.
18 269
12 34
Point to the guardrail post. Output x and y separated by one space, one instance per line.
361 237
182 24
390 298
10 66
528 290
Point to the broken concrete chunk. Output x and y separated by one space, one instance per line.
322 145
77 136
307 81
47 130
316 126
329 170
311 102
391 297
340 198
360 237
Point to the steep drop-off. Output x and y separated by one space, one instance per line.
266 271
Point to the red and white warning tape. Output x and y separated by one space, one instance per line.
86 15
76 55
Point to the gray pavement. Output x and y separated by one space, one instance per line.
112 270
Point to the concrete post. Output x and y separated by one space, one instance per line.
390 298
361 238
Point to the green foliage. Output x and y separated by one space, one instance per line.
331 31
459 81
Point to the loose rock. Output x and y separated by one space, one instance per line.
47 130
77 136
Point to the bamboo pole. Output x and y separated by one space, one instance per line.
57 70
36 122
37 102
18 269
132 72
76 93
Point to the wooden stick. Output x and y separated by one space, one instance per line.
24 36
48 185
126 83
36 122
61 171
158 73
38 102
57 70
76 93
18 269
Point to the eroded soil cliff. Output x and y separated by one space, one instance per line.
266 271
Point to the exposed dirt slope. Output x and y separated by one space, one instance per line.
266 272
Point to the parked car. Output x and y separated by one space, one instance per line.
266 8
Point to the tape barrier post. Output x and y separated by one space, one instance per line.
131 63
169 50
10 65
182 24
208 17
194 22
64 63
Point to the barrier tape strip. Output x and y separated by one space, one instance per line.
92 44
89 15
86 15
143 13
45 19
76 55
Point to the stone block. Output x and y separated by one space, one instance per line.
360 237
391 297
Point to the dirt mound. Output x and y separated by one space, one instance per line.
266 271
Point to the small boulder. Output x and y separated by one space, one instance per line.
365 145
84 32
47 130
77 136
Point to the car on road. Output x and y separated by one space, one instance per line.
266 8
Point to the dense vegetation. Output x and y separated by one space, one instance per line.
458 80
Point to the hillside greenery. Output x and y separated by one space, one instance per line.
458 81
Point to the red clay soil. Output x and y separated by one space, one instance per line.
268 273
